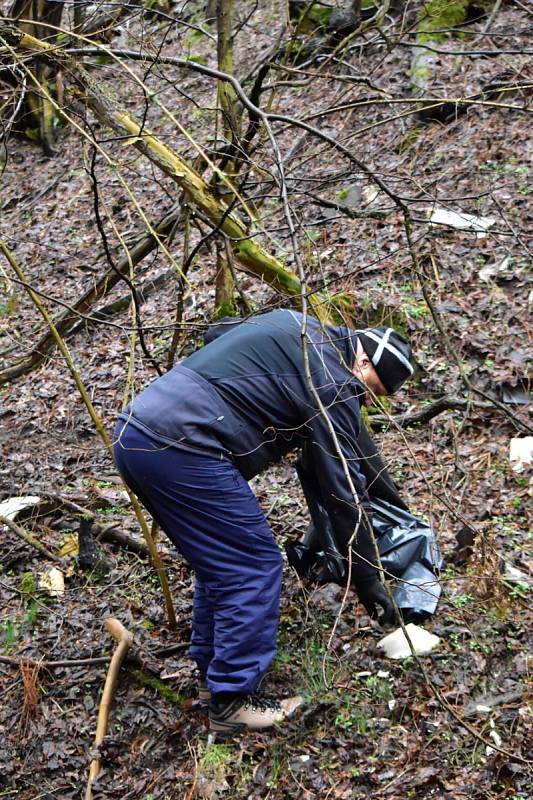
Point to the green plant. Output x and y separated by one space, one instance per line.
379 687
352 715
276 762
27 585
159 686
32 613
462 600
10 633
213 761
9 306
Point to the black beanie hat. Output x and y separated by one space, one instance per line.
390 354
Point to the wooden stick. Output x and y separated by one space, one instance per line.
29 539
124 639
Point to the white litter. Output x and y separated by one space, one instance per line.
490 271
521 453
515 575
53 582
14 505
496 738
395 645
369 194
461 221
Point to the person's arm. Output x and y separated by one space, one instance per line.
345 512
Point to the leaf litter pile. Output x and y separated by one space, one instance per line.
371 725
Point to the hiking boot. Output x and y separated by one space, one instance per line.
252 712
204 693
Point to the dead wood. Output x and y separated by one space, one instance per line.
353 213
90 557
29 539
124 639
102 26
142 294
251 255
446 403
102 533
112 536
68 321
42 664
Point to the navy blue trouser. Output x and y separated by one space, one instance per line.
207 509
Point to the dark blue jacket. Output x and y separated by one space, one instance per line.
245 397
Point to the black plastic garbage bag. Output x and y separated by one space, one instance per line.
408 551
407 548
406 544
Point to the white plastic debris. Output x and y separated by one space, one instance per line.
521 453
395 645
53 582
369 194
14 505
461 221
496 738
515 575
490 271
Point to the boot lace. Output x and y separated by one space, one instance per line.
258 702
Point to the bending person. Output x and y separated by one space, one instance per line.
188 444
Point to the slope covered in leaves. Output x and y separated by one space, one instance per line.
371 726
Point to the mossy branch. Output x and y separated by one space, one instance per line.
247 251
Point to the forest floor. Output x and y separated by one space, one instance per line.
371 726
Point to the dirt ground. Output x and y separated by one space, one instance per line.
370 726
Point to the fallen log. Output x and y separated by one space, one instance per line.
142 294
68 321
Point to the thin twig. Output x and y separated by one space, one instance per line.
156 560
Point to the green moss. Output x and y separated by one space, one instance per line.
380 314
227 309
437 15
28 584
310 17
175 698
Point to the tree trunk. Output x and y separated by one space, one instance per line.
39 18
231 130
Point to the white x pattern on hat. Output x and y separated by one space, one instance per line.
384 344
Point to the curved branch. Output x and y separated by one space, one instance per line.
445 403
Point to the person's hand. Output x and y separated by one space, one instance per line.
373 595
